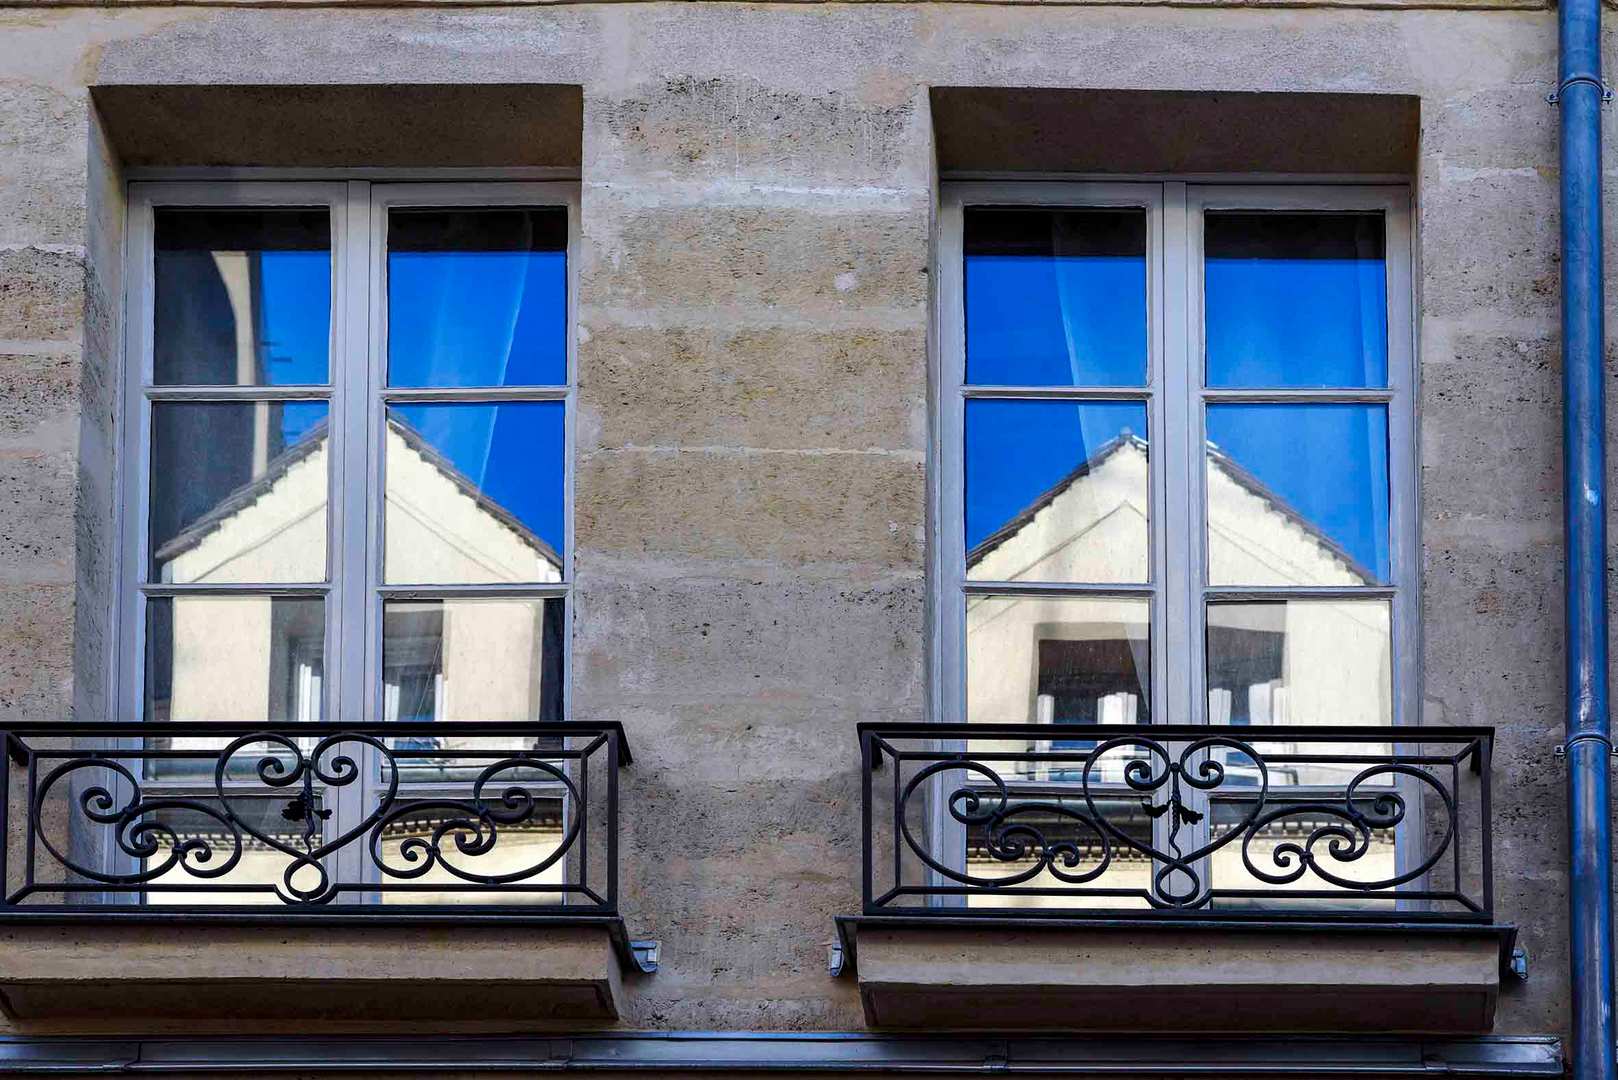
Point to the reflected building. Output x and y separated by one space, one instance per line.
444 659
223 653
1065 660
1061 659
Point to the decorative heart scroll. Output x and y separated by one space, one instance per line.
1169 784
112 797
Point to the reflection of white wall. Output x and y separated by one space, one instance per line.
1126 872
222 660
239 273
280 535
487 659
1093 527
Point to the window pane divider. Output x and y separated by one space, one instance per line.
1081 393
399 394
161 394
235 588
1298 592
1327 395
1056 588
497 589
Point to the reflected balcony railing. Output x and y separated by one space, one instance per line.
463 818
1100 821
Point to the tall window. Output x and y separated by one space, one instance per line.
1175 430
347 452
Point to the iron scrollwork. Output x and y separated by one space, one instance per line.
404 838
1172 785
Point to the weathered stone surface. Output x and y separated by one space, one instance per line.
716 385
41 295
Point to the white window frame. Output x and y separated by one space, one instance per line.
357 394
1175 396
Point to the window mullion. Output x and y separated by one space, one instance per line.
1182 516
351 485
350 498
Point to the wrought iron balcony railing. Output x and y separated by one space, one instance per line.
402 818
1106 821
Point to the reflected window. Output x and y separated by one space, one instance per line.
1058 660
484 659
307 545
1300 662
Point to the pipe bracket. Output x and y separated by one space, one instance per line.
1562 749
1555 96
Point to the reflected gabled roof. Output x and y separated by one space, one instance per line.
1026 515
1238 475
245 496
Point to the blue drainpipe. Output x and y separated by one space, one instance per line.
1580 94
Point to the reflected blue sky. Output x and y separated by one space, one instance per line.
295 316
1329 463
477 298
299 418
1055 298
215 267
1016 451
1295 300
514 453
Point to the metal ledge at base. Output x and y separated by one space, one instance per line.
244 969
1175 976
769 1052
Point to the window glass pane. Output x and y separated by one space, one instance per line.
1056 491
1300 662
1295 299
238 492
1057 660
1298 495
474 493
1055 297
477 297
477 659
235 658
241 297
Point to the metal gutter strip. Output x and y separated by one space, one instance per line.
1494 1056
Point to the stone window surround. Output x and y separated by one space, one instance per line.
354 589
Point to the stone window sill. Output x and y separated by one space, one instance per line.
1172 975
365 968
